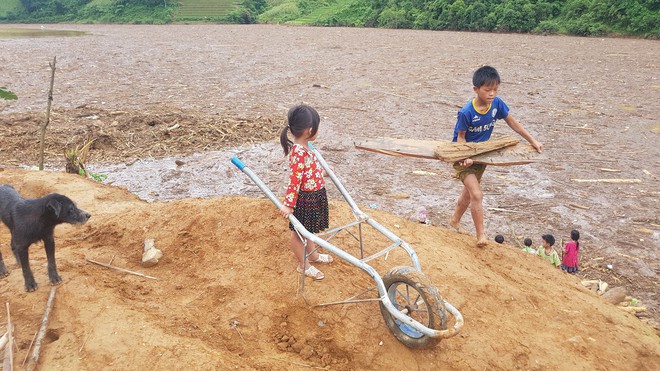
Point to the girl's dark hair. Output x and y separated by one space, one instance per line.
299 119
485 75
575 236
528 242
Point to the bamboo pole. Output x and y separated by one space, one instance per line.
42 331
3 340
42 136
8 363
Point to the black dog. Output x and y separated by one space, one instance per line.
32 220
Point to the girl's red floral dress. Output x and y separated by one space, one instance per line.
306 190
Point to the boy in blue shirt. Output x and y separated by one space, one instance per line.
475 123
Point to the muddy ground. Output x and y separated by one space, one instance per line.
168 106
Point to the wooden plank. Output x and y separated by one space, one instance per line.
514 155
451 151
520 154
400 147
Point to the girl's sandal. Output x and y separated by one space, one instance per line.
311 272
323 258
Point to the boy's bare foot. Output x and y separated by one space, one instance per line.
482 241
457 227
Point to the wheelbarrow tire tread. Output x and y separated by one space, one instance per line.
437 315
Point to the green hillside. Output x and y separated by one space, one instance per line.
639 18
7 6
205 9
322 14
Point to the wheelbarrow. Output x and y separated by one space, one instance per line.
412 307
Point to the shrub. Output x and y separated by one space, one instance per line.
390 18
282 13
547 27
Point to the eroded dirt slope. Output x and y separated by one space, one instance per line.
226 261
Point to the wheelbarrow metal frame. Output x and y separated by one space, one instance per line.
361 217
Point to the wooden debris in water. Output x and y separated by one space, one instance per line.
610 180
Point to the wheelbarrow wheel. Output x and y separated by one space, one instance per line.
411 292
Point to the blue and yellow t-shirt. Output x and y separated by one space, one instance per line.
478 126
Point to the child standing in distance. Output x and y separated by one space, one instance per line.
528 246
547 252
570 261
305 195
475 123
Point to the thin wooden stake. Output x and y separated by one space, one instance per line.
120 269
42 136
83 343
42 331
29 348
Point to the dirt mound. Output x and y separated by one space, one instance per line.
227 295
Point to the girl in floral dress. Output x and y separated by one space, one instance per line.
305 195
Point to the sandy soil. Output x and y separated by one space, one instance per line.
169 105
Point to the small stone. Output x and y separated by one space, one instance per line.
577 340
306 352
298 346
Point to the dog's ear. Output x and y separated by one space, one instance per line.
55 207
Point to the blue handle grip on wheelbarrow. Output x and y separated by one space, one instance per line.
238 163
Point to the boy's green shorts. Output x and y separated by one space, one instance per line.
462 172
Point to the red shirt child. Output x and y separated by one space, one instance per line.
570 261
